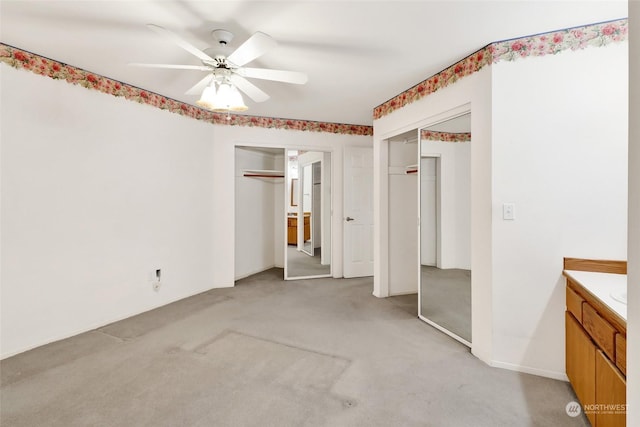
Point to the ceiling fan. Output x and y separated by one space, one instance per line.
228 72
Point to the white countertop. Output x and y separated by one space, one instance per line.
602 285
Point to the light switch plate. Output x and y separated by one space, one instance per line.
508 211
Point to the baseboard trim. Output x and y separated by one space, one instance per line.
397 294
561 376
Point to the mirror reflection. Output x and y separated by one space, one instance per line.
308 246
445 226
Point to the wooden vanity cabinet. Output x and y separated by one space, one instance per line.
292 229
596 357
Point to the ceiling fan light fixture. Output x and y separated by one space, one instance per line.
228 98
208 97
237 103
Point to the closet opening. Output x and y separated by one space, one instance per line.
282 212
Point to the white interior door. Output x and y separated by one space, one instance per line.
428 211
358 212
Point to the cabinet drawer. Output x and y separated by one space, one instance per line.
599 329
574 304
621 353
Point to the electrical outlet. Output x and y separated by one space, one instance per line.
156 279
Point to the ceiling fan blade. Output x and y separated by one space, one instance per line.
199 87
277 75
255 46
254 92
172 66
179 41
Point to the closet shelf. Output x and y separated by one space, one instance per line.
255 173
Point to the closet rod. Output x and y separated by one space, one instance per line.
253 175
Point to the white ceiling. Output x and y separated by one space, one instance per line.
357 54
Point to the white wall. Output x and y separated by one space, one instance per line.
560 154
98 191
260 214
455 201
471 93
546 132
633 279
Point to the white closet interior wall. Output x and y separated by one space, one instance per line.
259 225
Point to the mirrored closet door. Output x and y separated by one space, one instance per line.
308 227
444 296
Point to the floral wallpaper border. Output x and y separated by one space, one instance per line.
550 43
430 135
444 78
21 59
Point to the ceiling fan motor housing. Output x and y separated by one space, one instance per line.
223 37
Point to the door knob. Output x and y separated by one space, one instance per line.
350 219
